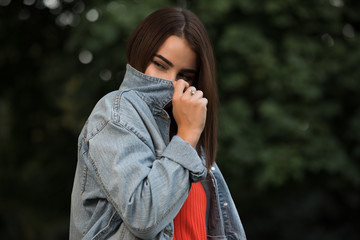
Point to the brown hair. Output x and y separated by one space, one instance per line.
152 33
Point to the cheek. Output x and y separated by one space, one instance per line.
149 70
152 71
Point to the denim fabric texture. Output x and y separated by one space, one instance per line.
131 179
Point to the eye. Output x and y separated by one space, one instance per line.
186 77
158 65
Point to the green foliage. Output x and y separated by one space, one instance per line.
289 117
287 111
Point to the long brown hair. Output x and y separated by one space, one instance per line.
152 33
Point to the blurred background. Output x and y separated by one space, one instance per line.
289 130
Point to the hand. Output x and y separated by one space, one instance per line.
189 111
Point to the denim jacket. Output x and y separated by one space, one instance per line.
131 179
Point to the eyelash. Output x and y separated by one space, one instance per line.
159 65
185 77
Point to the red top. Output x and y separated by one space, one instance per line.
190 224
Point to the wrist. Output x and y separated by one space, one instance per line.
192 139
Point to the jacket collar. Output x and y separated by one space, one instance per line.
153 90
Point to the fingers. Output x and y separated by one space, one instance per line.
192 93
191 90
179 87
183 90
204 101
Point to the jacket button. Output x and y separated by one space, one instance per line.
213 168
225 204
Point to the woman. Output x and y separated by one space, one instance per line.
141 170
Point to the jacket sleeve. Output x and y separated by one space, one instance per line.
146 191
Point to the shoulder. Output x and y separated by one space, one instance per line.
124 108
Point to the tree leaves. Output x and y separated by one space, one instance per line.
289 117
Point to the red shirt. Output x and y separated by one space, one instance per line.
189 224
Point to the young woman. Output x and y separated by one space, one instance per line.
146 156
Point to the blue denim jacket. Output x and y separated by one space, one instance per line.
131 179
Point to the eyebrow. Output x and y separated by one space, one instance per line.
171 64
165 60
